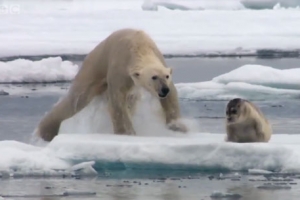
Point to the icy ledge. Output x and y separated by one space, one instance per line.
97 152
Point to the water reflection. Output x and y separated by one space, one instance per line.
167 188
170 191
251 192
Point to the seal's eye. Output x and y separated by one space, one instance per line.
154 77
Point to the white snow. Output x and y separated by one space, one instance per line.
45 70
155 5
76 27
24 156
263 75
192 5
200 151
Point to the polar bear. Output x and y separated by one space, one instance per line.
126 59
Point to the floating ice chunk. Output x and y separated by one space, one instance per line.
67 193
31 195
217 195
210 152
79 170
78 193
84 169
2 93
280 179
258 172
17 157
274 187
235 176
82 165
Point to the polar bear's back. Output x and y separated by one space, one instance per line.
121 49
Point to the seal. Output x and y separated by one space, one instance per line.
246 123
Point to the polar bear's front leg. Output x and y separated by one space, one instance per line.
170 106
119 113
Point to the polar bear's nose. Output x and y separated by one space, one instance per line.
165 90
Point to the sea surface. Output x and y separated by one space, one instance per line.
21 112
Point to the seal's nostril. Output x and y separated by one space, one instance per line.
229 119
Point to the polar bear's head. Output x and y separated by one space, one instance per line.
156 80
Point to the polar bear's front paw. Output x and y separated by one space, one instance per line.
178 126
132 132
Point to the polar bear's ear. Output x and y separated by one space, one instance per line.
170 70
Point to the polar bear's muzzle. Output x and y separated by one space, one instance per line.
164 91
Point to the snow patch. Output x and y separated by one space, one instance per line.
52 69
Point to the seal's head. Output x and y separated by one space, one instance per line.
233 109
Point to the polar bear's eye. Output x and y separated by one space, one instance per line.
154 77
167 76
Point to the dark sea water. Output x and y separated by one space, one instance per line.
21 111
193 188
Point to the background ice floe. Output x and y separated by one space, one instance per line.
88 5
254 82
263 75
30 28
192 5
219 5
217 91
45 70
